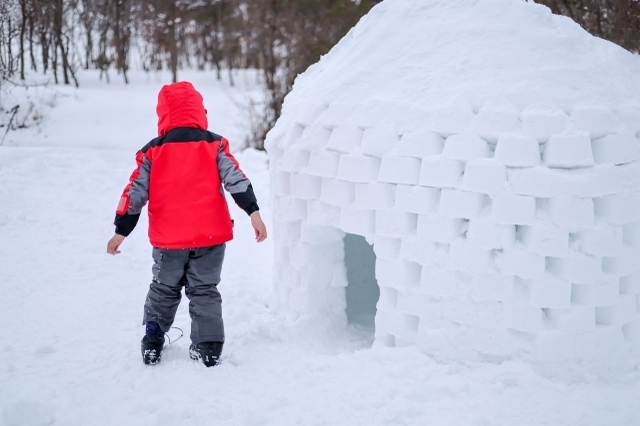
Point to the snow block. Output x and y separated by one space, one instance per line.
469 258
542 121
319 234
602 341
466 147
388 299
511 209
523 317
374 196
392 223
290 209
282 183
293 160
601 293
305 187
344 139
602 240
439 229
438 281
572 212
462 204
420 144
416 250
549 292
521 263
314 137
453 119
307 115
616 149
321 213
493 120
619 209
490 235
440 172
518 151
585 183
479 315
417 199
598 122
624 311
323 164
492 287
292 136
358 168
578 319
403 170
360 222
577 268
631 330
387 248
397 274
290 232
335 115
568 151
376 141
545 239
554 346
316 277
625 263
484 175
337 192
630 284
631 234
414 301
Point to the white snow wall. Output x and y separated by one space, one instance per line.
504 226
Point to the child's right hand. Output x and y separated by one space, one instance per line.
114 244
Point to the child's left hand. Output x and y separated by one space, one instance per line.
258 226
114 244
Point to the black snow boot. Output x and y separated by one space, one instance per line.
152 344
208 352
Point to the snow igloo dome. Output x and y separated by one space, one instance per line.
464 176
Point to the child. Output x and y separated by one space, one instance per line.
181 174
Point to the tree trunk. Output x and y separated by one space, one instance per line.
23 26
34 66
59 44
173 43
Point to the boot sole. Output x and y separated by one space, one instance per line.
152 356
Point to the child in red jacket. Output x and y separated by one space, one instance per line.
181 174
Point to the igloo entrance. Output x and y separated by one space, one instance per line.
362 291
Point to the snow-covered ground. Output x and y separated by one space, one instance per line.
70 314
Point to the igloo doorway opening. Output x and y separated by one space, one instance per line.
362 291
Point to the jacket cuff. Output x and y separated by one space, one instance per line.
125 223
246 200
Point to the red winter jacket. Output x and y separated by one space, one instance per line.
181 174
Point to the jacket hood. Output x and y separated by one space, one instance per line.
180 105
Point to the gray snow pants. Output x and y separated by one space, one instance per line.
198 271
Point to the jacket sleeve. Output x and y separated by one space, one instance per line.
134 196
235 181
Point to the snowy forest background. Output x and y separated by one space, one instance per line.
280 38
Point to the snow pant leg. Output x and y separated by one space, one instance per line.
165 291
205 302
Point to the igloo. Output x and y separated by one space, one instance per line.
488 151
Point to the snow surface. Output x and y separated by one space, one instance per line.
70 314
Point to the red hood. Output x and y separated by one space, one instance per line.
180 105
